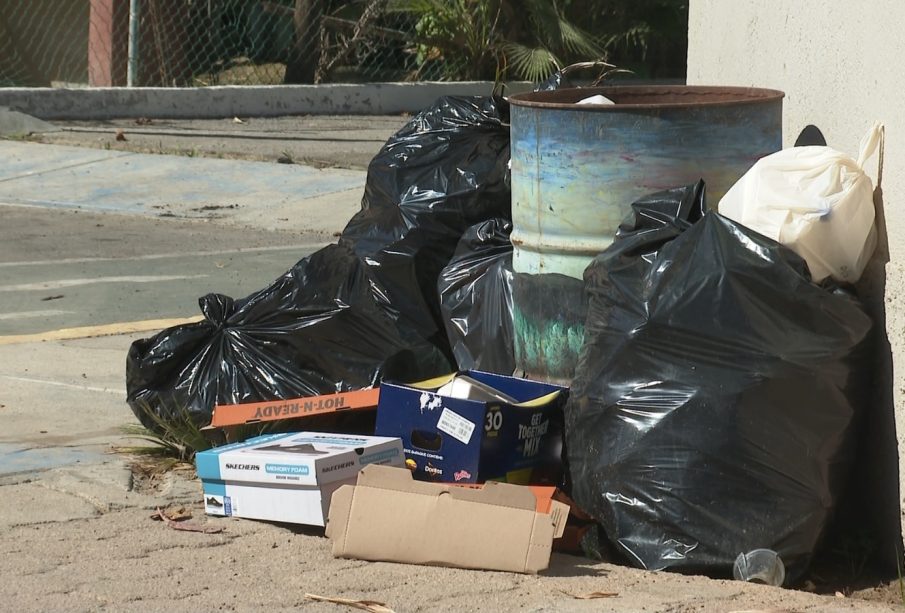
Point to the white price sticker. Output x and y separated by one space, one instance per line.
455 425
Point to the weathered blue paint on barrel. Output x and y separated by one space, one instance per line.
576 169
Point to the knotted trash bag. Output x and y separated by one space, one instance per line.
324 326
713 405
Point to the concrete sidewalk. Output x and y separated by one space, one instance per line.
255 194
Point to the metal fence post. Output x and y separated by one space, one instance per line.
132 69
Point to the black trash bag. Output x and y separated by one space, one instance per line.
322 327
712 410
658 218
476 299
444 171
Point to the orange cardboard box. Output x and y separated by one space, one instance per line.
254 412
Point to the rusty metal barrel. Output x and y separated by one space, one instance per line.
576 169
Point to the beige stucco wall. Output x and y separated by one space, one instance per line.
842 66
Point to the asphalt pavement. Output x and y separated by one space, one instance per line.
94 237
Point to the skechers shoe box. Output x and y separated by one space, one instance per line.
288 477
472 427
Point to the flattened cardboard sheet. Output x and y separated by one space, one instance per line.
388 516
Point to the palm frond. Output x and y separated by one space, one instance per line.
578 41
531 63
637 36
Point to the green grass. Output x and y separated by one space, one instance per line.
178 437
176 440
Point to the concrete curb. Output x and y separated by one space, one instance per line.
238 101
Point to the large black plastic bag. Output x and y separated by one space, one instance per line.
323 327
712 409
444 171
476 299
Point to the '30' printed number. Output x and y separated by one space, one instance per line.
493 420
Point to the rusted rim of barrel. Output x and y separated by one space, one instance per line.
650 97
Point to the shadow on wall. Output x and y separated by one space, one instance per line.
867 527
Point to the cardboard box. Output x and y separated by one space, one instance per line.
470 441
288 477
226 415
388 516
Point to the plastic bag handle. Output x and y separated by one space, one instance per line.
870 143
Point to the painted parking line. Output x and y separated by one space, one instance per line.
64 283
73 386
163 256
68 334
33 314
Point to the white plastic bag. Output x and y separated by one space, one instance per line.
598 99
816 201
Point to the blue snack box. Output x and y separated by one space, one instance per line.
469 441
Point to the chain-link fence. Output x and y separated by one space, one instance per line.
179 43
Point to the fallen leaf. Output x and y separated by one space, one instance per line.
120 134
365 605
592 595
184 525
177 514
143 121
